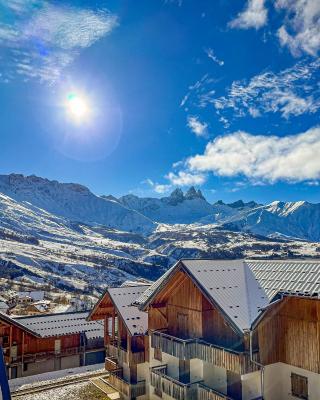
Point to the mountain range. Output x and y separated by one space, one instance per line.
65 236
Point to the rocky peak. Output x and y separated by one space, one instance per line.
192 194
176 197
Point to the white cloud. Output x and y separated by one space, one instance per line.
162 188
289 93
183 178
262 158
213 57
300 30
198 128
255 15
158 188
39 39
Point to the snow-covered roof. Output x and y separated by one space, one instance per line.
242 288
36 295
3 305
123 299
60 324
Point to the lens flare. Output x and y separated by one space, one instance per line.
77 107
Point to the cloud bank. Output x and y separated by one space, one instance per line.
262 158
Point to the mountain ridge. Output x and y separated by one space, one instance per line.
41 247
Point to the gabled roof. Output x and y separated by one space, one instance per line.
242 288
51 325
123 298
228 284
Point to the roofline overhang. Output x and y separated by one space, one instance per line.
174 269
180 266
275 301
97 305
114 305
14 322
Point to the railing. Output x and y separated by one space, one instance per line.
170 386
207 393
33 357
123 356
188 349
131 390
111 364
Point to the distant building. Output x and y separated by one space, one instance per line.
3 307
38 344
30 296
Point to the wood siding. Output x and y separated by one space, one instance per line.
290 333
182 310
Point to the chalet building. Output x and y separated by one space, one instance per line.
126 340
37 344
234 330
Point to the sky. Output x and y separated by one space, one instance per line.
142 97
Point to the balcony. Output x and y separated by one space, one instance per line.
238 362
111 364
124 356
129 390
170 386
207 393
34 357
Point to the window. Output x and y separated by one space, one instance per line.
5 340
158 392
157 354
25 367
299 386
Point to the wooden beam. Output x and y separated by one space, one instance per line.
22 356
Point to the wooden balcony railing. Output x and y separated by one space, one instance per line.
123 356
130 390
207 393
170 386
188 349
111 364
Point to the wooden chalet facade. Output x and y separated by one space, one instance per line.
38 344
234 330
125 338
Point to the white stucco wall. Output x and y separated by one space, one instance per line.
70 362
277 383
215 377
196 370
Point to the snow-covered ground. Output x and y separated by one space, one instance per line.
54 376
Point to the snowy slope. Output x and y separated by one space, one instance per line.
64 236
73 201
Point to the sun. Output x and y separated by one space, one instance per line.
77 107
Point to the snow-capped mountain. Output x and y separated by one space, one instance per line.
292 219
74 202
179 208
64 236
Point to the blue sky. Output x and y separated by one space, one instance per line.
223 95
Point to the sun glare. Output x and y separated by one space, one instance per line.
77 107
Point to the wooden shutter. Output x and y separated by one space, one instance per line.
299 386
